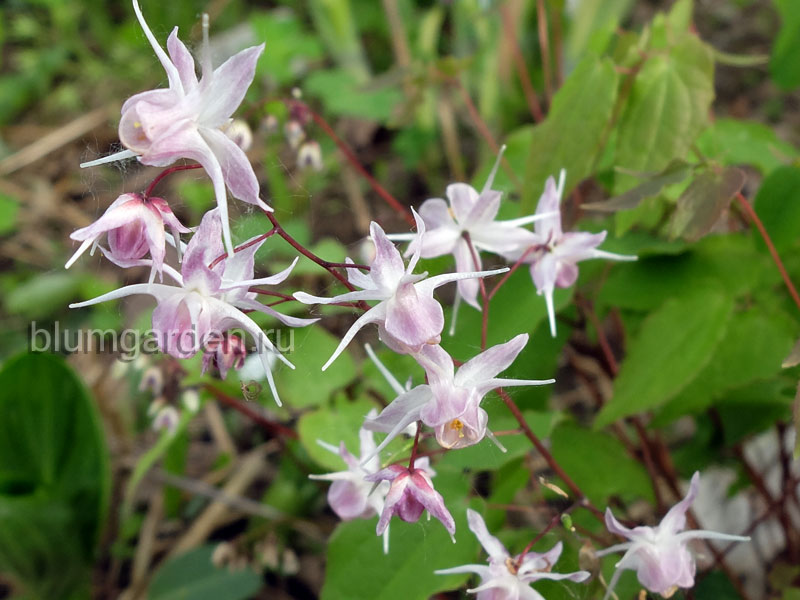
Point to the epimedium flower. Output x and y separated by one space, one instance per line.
411 492
468 216
450 401
209 297
350 495
188 119
509 577
660 555
407 314
133 225
554 256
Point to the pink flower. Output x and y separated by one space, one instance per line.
554 256
507 577
472 213
208 300
660 555
410 493
351 496
187 119
133 225
407 314
450 403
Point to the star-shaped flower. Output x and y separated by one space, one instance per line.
660 555
209 297
187 119
555 255
468 214
450 402
407 314
507 577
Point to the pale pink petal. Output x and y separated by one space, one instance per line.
347 500
550 228
236 168
172 71
489 363
491 544
485 209
182 60
227 86
462 199
387 268
413 318
374 315
465 263
675 520
422 490
566 274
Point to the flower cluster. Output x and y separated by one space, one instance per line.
207 301
210 296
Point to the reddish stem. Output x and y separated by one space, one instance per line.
513 268
413 458
271 426
247 244
519 62
330 267
166 172
551 461
353 159
553 522
751 214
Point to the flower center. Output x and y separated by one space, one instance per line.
512 566
457 425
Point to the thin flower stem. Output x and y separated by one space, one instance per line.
484 295
241 247
510 272
413 458
751 214
553 522
353 159
483 130
330 267
551 461
271 426
165 173
509 30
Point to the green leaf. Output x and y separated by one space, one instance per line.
572 135
667 107
193 576
784 66
704 202
583 454
726 262
735 142
674 344
778 206
753 348
54 474
357 568
339 423
306 385
594 25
